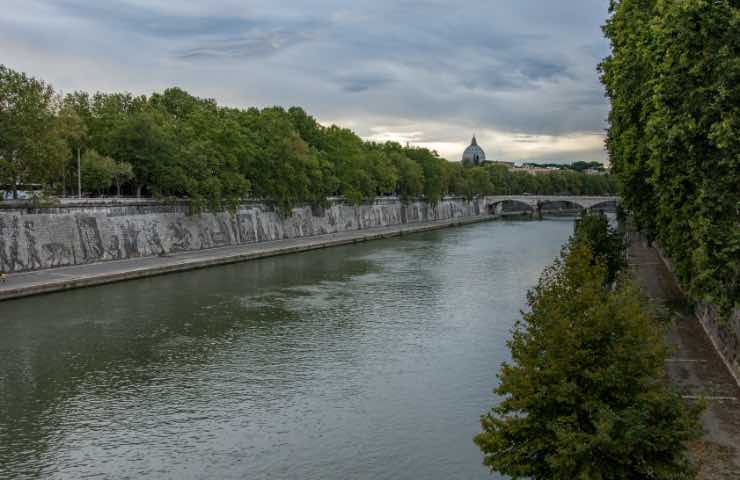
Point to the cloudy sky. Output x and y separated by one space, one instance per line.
521 74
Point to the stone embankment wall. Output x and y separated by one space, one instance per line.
74 233
725 334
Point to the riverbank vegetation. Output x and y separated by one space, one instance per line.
673 78
584 395
172 144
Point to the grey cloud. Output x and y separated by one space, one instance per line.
255 43
536 69
361 82
134 18
518 66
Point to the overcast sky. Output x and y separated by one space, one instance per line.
521 74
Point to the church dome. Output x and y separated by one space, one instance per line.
473 155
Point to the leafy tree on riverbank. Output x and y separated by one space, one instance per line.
606 243
584 394
673 78
97 171
31 147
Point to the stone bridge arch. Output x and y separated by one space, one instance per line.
609 205
535 204
511 206
564 205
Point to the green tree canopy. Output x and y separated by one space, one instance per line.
673 78
31 147
584 396
97 171
179 145
605 242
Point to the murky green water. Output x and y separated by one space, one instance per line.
371 361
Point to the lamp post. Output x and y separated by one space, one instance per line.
79 175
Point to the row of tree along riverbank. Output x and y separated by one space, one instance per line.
673 78
175 144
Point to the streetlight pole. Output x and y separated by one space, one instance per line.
79 175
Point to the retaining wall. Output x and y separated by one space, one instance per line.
80 232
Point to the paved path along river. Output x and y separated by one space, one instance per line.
694 366
363 361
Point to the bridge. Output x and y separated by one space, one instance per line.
538 204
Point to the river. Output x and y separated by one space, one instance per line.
370 361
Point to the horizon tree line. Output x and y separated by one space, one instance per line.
173 144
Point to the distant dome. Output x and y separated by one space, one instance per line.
473 155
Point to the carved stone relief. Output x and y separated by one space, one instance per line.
92 245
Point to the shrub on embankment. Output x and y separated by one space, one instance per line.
585 395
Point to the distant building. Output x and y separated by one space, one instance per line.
535 170
509 165
473 155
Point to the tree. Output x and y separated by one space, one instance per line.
144 140
673 79
31 149
410 177
476 181
433 168
695 145
173 144
73 130
122 172
606 243
97 171
584 395
626 74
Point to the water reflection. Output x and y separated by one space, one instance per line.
366 361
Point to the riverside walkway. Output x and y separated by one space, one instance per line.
694 366
36 282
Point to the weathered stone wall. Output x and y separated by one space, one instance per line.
725 334
76 233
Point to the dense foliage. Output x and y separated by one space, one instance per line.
577 166
606 242
674 137
30 142
172 144
584 396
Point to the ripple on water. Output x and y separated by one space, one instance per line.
367 361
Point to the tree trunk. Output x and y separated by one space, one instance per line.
14 177
118 187
138 190
79 175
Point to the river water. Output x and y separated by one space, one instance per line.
370 361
